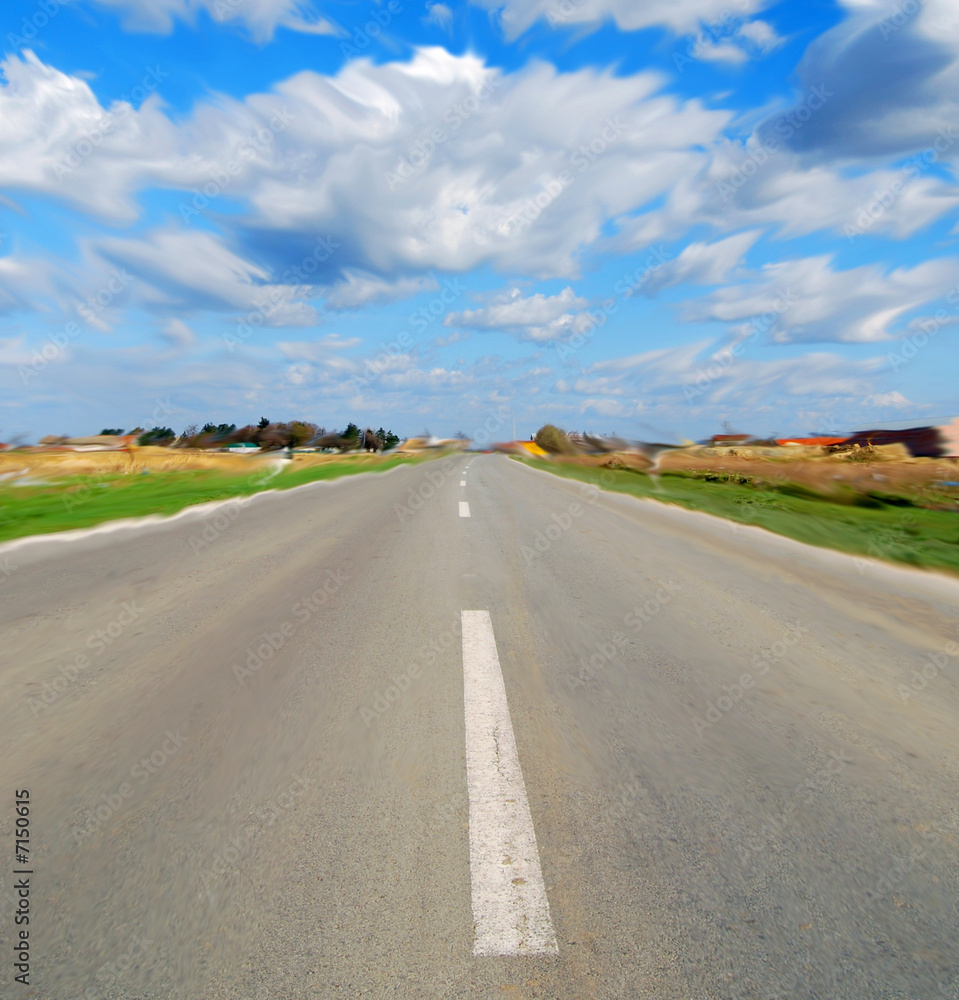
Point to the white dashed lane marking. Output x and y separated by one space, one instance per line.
464 509
510 906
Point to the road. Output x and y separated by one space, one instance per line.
727 764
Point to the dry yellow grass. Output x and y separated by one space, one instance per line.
57 464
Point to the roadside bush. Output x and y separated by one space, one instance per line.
554 440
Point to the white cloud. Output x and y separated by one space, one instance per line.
744 186
260 17
440 15
357 288
14 351
893 399
720 51
703 263
892 71
536 317
762 35
335 142
319 350
806 300
456 337
173 268
690 373
679 16
178 333
58 140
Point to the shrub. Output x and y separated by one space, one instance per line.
554 440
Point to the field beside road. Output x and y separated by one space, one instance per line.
64 490
897 511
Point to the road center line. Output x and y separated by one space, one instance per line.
510 906
462 482
464 509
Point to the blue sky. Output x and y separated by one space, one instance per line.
643 217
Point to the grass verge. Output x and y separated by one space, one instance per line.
84 501
881 526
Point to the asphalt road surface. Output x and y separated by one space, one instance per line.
466 729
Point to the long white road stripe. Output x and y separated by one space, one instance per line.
464 509
510 908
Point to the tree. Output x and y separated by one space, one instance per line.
388 439
331 440
301 433
554 440
263 424
218 430
159 436
113 431
350 438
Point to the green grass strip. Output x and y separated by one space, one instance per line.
882 526
84 501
